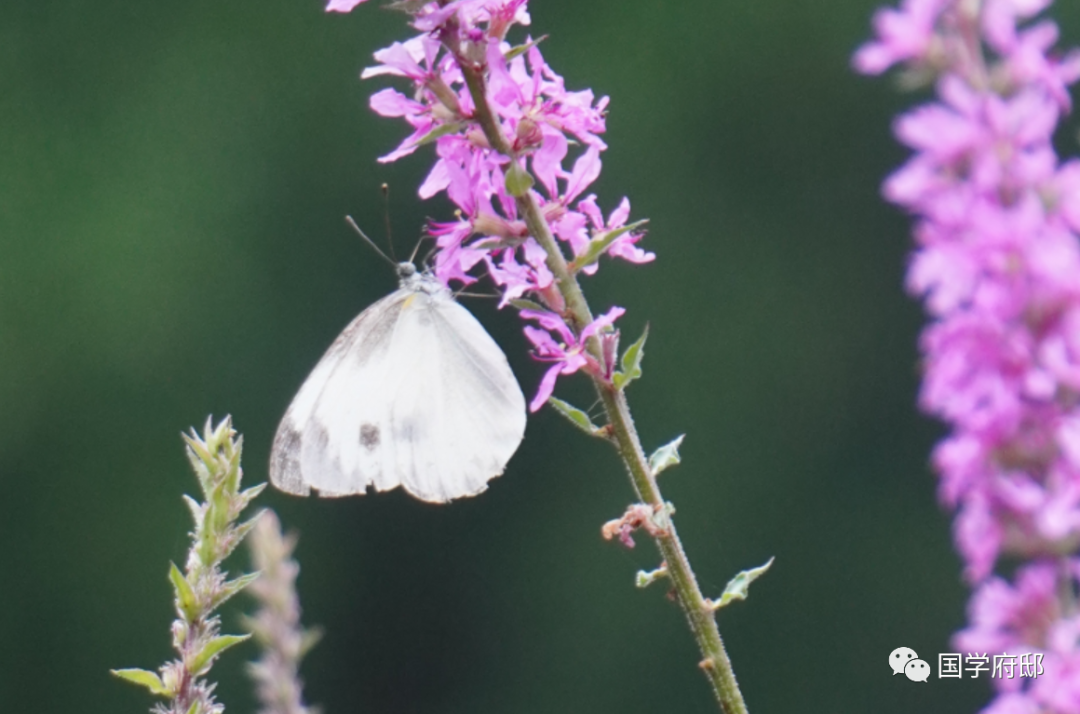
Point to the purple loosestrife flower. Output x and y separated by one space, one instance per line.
998 264
541 121
568 354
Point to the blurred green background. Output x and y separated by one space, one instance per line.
173 178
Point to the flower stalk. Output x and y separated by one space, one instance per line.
203 586
715 664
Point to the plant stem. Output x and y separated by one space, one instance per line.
715 663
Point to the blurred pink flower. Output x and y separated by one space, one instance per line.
343 5
998 264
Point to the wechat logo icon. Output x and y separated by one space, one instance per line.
903 660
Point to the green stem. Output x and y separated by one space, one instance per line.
715 663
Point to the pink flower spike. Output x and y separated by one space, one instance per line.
343 5
997 265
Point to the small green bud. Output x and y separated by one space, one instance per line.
518 180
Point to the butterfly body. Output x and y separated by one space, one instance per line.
414 392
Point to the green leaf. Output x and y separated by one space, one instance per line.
236 535
518 180
666 456
195 708
738 588
646 578
202 661
196 509
631 362
185 596
309 639
523 304
248 495
234 586
577 417
217 516
200 459
597 246
143 678
522 49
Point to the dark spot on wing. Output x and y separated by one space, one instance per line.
369 436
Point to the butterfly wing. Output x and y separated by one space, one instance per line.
415 393
321 442
461 415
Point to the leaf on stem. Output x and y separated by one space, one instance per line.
524 304
646 578
518 180
232 587
144 678
576 417
631 362
598 246
185 596
738 588
666 456
522 49
212 649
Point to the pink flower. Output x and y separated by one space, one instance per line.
567 353
343 5
903 35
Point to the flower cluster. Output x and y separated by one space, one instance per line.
998 265
461 53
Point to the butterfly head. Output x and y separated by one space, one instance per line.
412 279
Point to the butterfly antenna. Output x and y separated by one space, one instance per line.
412 255
384 256
385 188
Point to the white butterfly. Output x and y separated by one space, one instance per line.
413 393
